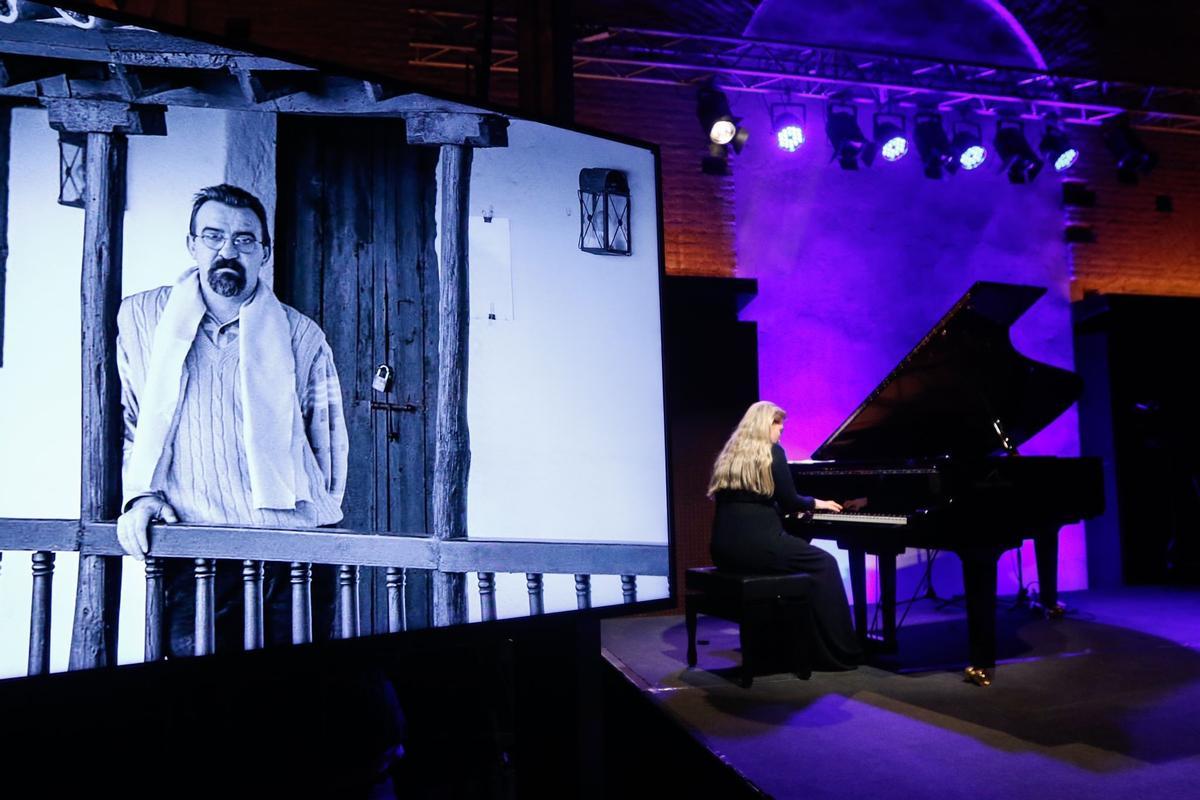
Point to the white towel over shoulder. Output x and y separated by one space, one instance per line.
272 428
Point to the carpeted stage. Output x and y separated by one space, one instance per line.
1102 703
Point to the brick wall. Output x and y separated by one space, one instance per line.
1138 249
698 215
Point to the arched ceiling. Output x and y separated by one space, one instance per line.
980 31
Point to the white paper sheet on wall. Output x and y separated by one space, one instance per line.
491 269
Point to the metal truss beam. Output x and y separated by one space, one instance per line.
445 40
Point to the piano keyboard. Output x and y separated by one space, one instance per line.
853 516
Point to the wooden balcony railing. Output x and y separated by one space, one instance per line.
204 545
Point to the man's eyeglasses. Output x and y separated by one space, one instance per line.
215 240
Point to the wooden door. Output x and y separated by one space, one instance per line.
355 222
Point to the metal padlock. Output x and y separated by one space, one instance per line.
383 378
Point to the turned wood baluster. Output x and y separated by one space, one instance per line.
301 602
395 599
156 600
39 617
252 605
487 596
583 591
537 603
629 588
206 607
348 586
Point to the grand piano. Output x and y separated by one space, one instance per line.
929 460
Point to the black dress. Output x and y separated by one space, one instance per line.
748 536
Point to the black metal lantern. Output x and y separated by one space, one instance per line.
604 212
72 168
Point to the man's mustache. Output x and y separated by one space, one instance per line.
227 263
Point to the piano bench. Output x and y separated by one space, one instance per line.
772 611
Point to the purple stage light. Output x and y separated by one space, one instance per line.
789 132
1018 158
968 145
894 148
889 129
973 156
1066 160
1057 148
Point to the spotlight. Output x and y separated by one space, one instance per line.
1131 155
967 147
932 145
889 136
849 143
1016 156
722 129
788 122
712 108
1057 149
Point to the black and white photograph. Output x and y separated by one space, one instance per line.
354 360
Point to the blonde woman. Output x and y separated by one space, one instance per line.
753 489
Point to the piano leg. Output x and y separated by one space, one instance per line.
887 598
1045 545
858 588
979 582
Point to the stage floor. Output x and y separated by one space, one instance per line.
1102 703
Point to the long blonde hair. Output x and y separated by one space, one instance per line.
745 460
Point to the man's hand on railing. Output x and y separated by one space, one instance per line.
134 524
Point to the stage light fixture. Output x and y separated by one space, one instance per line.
1131 155
1016 156
849 144
788 122
1057 148
967 146
889 136
933 146
721 127
712 108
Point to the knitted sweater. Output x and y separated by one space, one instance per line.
204 475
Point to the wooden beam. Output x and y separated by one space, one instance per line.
106 117
98 593
39 534
554 557
452 457
133 46
454 128
324 546
263 86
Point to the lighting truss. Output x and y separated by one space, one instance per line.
445 40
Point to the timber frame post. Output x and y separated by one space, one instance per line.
456 134
97 598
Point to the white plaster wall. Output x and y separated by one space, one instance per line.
39 383
565 401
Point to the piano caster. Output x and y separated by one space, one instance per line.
977 676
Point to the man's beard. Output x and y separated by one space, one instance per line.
224 282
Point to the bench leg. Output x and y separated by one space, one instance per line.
754 630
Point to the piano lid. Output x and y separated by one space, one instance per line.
961 390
